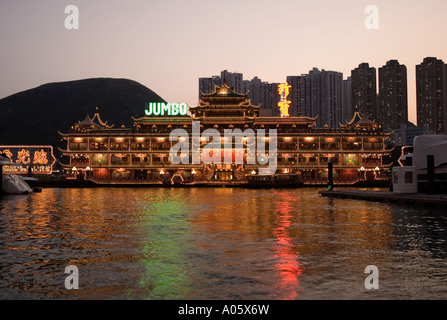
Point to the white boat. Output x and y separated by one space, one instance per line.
414 173
424 145
12 183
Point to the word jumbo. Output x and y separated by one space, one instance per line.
166 109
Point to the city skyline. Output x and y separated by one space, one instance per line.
167 46
380 96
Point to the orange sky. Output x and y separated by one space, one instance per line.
167 45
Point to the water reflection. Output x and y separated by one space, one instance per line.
162 222
288 264
218 243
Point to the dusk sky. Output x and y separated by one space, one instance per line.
167 45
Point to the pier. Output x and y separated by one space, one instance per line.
416 199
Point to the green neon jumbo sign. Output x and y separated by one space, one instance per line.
161 109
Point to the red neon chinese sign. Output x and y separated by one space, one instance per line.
38 159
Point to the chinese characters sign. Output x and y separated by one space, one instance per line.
38 159
283 104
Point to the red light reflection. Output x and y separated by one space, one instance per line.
288 265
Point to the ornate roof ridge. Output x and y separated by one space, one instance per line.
96 116
88 122
222 91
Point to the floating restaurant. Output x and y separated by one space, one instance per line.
143 154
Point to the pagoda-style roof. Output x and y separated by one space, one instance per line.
359 122
102 123
224 92
90 124
355 118
87 122
224 102
365 121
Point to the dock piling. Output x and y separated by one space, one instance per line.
330 175
431 174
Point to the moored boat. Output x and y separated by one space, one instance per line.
280 180
12 183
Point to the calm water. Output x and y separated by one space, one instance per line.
220 243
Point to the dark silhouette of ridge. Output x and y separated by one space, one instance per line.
35 116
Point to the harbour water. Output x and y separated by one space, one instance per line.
217 243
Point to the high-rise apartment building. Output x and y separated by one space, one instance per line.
346 100
207 84
269 97
254 90
321 95
294 95
310 93
393 98
331 108
233 80
431 95
364 90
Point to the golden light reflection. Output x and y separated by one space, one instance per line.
196 243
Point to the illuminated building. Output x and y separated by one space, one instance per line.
321 96
364 90
295 95
393 96
141 154
431 95
206 85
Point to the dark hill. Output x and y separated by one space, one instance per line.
35 116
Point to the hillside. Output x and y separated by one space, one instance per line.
36 115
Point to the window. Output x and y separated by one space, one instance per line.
396 177
408 177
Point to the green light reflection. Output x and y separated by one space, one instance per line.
166 238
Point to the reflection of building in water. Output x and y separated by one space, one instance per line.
427 233
288 265
141 154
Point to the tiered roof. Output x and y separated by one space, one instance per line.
359 122
89 123
225 102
